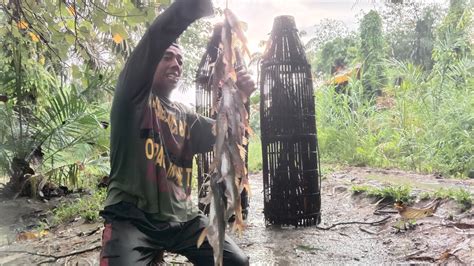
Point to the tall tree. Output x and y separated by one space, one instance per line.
337 53
331 44
409 30
453 51
424 39
372 53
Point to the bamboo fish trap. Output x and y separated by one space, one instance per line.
291 170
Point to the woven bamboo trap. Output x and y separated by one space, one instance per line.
291 171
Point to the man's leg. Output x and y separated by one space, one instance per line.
187 247
244 200
204 255
124 244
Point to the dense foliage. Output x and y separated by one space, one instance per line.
58 66
340 52
372 53
332 46
424 117
409 30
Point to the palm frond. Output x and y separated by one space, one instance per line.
63 131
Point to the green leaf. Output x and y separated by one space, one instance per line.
84 54
164 2
116 11
70 39
57 37
98 19
63 50
71 24
50 9
76 72
104 27
135 20
84 82
128 5
120 29
150 14
85 30
16 32
135 17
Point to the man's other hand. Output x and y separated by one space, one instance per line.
245 83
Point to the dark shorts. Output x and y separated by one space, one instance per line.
131 238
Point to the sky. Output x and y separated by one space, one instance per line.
259 15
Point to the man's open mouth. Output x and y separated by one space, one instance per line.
173 76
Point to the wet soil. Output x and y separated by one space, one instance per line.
446 237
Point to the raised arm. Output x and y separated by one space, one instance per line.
135 80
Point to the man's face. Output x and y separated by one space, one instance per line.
168 72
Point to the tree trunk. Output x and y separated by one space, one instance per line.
20 171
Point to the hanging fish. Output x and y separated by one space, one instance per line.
228 173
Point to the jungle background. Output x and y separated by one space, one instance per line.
397 93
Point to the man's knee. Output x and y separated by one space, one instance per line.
124 244
235 255
238 258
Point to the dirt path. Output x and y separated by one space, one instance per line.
431 240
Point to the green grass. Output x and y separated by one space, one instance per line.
403 180
255 154
460 195
329 168
389 193
404 193
87 207
417 127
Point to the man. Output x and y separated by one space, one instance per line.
153 140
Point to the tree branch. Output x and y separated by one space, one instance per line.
342 223
43 39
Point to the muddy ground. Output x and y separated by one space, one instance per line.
447 237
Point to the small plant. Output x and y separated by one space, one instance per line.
389 193
425 196
87 208
394 193
461 196
464 198
357 189
327 169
